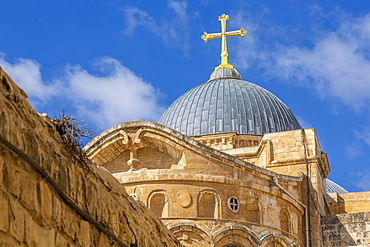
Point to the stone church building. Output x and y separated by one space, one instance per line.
227 165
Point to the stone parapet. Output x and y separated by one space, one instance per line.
353 202
229 140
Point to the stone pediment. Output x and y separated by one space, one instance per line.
144 145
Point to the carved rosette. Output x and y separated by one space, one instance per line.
184 198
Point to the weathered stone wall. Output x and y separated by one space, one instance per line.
346 229
294 153
190 186
65 202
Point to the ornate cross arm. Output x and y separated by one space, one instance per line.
207 36
224 53
241 32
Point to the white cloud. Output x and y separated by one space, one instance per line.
252 49
135 17
179 7
173 31
363 135
115 97
338 64
27 74
353 149
304 124
335 65
363 180
247 50
115 94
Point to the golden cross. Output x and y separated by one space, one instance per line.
224 54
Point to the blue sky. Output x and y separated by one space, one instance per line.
115 61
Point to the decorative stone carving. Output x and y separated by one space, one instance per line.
126 138
133 161
184 198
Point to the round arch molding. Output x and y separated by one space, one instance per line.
237 236
191 234
276 240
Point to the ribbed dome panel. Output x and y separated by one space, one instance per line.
228 105
334 187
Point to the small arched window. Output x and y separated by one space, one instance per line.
207 205
158 203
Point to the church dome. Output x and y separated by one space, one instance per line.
334 187
226 103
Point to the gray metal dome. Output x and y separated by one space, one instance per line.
334 187
226 103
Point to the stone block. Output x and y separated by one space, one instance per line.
46 202
68 221
7 240
1 170
4 215
83 236
62 176
103 240
36 235
12 178
29 195
72 183
61 241
56 210
91 202
17 221
80 188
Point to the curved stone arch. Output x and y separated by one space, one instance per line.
276 238
191 232
117 143
207 212
147 129
227 235
110 142
160 143
160 138
116 140
159 202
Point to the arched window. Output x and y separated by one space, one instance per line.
158 203
207 205
253 210
284 222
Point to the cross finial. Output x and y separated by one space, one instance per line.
224 54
